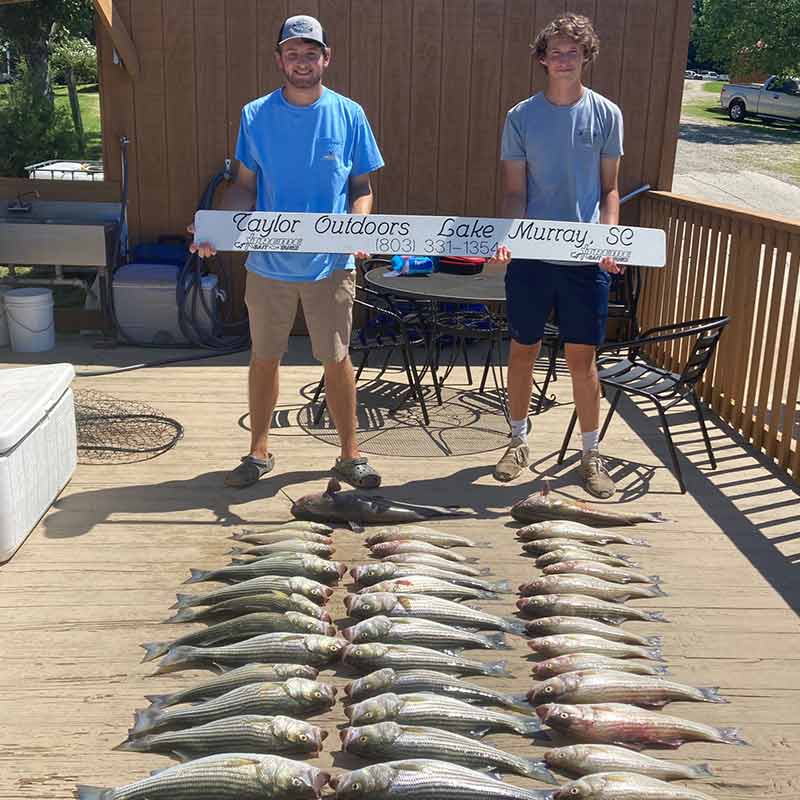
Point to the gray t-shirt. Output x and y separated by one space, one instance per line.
562 146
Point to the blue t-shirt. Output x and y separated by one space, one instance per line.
562 146
304 157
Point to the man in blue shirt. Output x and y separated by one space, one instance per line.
560 159
302 147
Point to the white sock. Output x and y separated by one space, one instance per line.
519 429
591 441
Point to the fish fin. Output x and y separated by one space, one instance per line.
144 720
498 640
497 668
658 592
529 726
160 700
514 626
483 544
333 487
153 650
176 658
92 792
656 616
235 551
701 771
640 543
537 769
519 701
711 694
184 615
490 772
484 595
479 733
501 587
471 560
184 600
483 571
140 744
656 516
215 666
655 578
183 755
653 641
541 736
198 575
452 651
654 653
356 527
732 736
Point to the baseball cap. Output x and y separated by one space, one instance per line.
302 27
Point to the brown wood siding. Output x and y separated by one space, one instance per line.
435 77
724 261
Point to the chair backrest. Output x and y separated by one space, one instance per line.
702 352
623 299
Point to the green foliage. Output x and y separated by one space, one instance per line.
20 23
31 128
751 35
74 53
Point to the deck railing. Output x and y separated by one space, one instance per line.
722 260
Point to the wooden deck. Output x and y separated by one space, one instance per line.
99 573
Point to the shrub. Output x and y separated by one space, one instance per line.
76 53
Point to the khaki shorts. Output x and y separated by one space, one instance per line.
327 307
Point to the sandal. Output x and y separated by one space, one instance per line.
249 471
357 472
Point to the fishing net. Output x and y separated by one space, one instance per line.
113 430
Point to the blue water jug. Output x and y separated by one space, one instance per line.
412 265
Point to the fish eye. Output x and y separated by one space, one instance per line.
574 790
564 716
368 715
356 786
303 737
297 782
317 694
548 689
362 739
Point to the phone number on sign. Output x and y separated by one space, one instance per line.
436 247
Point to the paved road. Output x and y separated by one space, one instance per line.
745 166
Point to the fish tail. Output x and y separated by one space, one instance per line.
483 544
656 616
471 560
657 591
160 700
537 769
175 659
154 650
198 575
655 578
701 771
184 615
661 669
484 571
93 793
513 625
236 550
640 542
654 653
731 736
497 640
656 516
184 600
501 587
711 694
140 744
518 701
527 726
496 668
654 641
144 720
239 535
485 595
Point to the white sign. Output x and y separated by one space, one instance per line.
296 232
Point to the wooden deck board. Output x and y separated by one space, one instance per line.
97 576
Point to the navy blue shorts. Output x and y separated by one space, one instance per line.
577 294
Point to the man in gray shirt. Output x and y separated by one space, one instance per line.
560 158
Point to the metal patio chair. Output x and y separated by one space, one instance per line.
384 331
631 373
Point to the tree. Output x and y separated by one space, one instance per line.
31 28
751 35
75 59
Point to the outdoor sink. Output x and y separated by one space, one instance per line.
64 233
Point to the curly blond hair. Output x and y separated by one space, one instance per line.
573 26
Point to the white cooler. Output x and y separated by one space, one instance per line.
38 446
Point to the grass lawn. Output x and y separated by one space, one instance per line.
89 100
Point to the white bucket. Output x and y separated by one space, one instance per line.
4 340
29 313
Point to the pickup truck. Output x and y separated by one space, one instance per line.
777 98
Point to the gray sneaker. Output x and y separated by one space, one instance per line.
514 460
594 475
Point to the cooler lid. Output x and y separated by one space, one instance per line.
154 276
26 395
